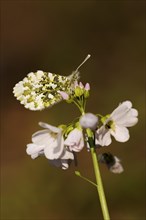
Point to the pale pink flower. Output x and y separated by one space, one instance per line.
50 143
75 140
116 125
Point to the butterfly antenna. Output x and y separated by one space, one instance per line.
87 57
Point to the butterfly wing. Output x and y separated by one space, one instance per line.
39 90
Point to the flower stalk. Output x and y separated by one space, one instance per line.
99 184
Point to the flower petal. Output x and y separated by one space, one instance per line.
129 119
67 154
120 133
34 150
65 164
75 140
120 111
55 149
50 127
103 137
87 87
41 137
64 95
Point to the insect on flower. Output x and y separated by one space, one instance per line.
39 90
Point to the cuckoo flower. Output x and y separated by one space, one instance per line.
75 140
116 124
50 143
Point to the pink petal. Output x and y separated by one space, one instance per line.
64 95
87 87
103 136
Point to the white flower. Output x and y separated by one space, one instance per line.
75 140
89 120
50 142
116 125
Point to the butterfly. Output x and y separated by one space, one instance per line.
39 90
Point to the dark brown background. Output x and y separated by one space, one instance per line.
55 36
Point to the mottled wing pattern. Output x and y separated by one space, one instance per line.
39 90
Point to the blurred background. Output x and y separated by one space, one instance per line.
56 36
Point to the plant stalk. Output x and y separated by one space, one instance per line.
100 188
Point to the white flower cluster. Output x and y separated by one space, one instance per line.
50 143
58 148
41 89
114 124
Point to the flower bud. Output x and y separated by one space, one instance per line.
81 85
86 92
64 95
87 87
89 120
79 91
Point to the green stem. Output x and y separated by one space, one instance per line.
98 177
79 106
99 184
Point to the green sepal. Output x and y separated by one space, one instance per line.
62 126
79 91
86 94
78 126
68 130
103 119
69 101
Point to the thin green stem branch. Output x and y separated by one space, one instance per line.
79 106
84 178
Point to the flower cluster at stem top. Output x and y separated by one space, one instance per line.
59 145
